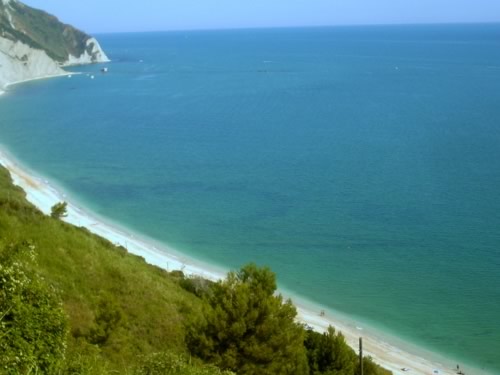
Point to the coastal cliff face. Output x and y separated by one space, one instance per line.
35 44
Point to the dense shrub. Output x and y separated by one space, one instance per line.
173 364
33 325
329 354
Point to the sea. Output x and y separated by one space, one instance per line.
361 164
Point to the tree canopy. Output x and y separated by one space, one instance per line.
249 329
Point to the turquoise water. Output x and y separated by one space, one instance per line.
362 164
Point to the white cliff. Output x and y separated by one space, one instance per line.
19 62
96 55
25 55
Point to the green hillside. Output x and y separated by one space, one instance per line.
118 307
40 30
74 303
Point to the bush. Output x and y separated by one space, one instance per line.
33 325
172 364
329 354
59 210
196 285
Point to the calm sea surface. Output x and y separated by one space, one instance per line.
362 164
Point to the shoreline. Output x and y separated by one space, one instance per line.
9 84
387 350
381 347
43 194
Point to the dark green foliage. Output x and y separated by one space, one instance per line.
248 329
196 285
33 325
172 364
58 210
329 354
108 316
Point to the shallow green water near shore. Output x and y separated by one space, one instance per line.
361 164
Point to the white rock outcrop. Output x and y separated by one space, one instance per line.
96 55
20 62
27 55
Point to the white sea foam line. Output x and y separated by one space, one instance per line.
44 195
9 84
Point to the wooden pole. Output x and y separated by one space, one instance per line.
361 354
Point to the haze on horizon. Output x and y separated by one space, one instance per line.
159 15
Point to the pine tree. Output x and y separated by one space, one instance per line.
248 329
59 210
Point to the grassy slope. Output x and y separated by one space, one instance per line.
94 276
120 309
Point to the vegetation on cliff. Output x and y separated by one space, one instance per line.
41 30
248 329
74 303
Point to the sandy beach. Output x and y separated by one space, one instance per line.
9 84
44 195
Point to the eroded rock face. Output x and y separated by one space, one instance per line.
93 53
35 44
20 62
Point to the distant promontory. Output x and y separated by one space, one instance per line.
35 44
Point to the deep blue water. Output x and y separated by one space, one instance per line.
361 163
